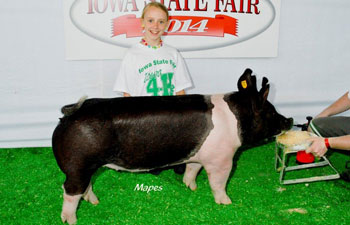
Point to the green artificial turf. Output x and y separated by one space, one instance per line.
31 193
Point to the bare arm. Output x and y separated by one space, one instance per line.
126 94
339 106
318 147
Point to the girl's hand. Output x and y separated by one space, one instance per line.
182 92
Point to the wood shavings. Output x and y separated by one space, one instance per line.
281 189
297 210
293 137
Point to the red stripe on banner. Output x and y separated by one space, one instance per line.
129 25
180 25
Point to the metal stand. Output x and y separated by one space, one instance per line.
281 153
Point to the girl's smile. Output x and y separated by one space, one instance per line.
154 23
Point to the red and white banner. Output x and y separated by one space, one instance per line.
179 25
104 29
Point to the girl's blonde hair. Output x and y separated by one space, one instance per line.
157 5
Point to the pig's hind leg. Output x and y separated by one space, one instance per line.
218 176
77 185
70 204
90 196
191 172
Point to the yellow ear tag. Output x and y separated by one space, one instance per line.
244 84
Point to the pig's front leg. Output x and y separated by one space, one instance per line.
218 175
191 172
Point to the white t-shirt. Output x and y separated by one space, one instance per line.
152 72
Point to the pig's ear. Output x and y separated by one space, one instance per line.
247 82
264 82
257 104
265 88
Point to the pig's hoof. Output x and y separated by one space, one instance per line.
193 186
91 197
190 184
70 219
225 200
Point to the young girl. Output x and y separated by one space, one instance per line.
151 68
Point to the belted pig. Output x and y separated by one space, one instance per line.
144 133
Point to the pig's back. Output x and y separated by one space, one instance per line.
138 132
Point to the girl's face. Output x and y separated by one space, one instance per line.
155 23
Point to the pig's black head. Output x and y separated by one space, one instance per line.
257 117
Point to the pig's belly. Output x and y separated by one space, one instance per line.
223 140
